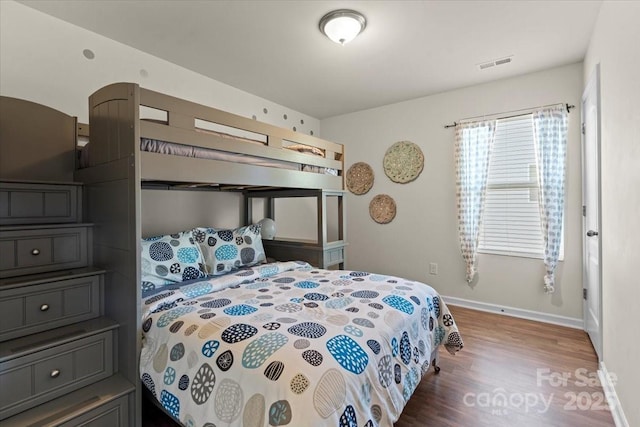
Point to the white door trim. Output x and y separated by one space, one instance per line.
592 85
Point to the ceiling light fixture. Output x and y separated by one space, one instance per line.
342 25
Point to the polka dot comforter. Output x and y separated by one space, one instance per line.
288 344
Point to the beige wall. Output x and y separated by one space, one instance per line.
166 212
41 60
425 228
614 45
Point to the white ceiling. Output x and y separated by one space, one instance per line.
409 49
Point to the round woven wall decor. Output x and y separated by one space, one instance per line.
403 162
382 209
359 178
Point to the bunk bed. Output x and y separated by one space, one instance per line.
311 346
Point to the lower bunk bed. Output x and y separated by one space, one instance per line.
286 343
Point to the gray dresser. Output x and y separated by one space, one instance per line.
57 363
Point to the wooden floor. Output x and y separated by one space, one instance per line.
511 372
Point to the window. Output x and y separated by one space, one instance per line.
511 218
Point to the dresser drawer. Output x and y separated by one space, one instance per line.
30 380
105 403
111 414
36 250
35 308
36 203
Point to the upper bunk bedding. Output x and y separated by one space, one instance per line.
186 145
173 149
289 344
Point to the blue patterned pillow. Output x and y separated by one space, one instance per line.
169 259
226 250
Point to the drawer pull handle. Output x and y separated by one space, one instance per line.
44 307
35 251
55 373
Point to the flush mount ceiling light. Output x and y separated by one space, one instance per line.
342 25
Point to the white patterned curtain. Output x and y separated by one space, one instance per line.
472 153
550 139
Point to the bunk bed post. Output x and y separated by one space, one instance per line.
112 202
341 216
322 215
268 209
271 208
248 208
342 226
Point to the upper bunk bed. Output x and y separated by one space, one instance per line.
175 141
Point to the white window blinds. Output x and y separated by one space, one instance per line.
511 219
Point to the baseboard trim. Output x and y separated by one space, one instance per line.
570 322
612 397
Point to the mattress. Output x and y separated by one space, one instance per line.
164 147
289 344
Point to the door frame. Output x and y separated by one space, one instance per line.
593 84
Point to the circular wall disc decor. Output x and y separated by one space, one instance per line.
382 209
359 178
403 162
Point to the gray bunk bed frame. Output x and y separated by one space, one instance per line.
118 170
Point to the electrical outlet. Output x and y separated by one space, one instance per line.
433 268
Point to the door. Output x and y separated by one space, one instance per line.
592 291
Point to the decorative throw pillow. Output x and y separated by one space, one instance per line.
226 250
169 259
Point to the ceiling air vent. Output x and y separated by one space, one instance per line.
495 62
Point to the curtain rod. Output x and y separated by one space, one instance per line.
567 106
